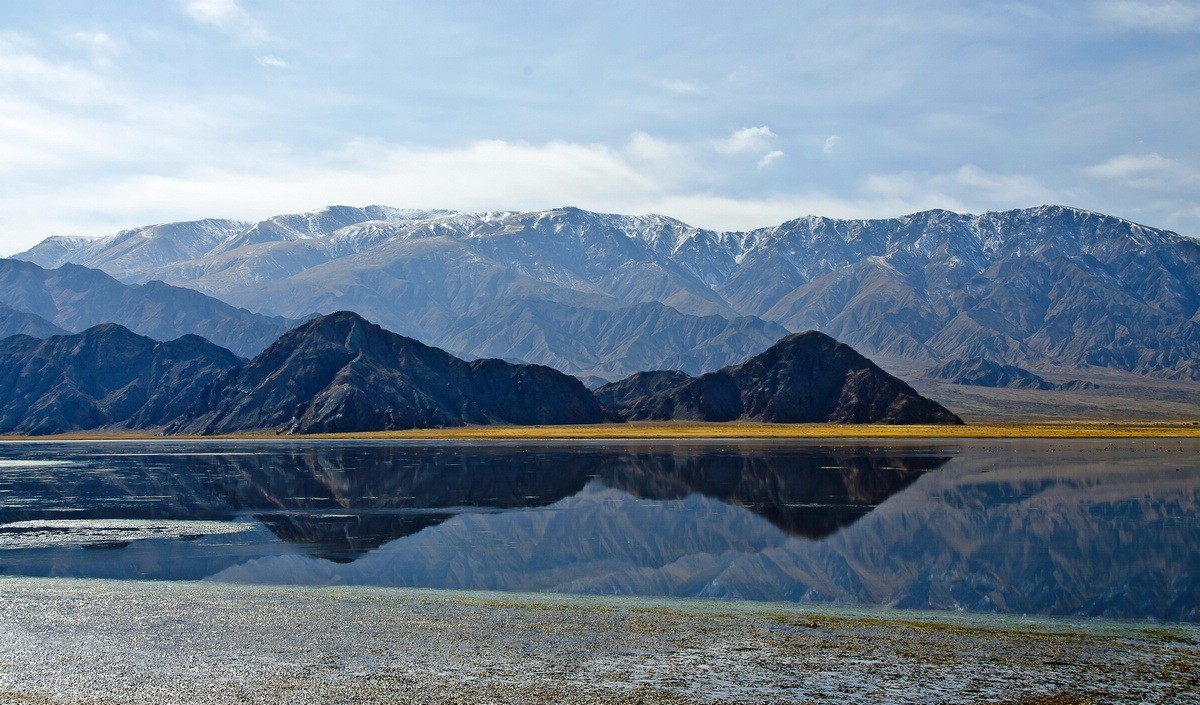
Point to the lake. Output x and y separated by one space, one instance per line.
1087 528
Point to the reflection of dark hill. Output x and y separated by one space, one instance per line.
811 495
341 501
343 537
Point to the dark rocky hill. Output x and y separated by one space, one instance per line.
804 378
341 373
106 376
75 298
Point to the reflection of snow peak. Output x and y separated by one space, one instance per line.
27 464
48 533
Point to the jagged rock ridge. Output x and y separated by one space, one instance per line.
804 378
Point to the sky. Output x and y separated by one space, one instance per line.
726 115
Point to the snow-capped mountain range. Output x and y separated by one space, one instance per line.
606 295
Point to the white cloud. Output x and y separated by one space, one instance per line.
99 45
768 158
483 175
831 144
967 188
1167 16
227 16
272 62
684 87
27 76
748 140
1142 171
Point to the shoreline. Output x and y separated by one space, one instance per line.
672 430
65 640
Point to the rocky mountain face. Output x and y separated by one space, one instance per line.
981 372
804 378
1039 287
340 373
106 376
73 298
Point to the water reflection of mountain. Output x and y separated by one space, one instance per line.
1016 529
344 500
1096 528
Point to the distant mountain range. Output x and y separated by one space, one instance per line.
981 372
40 303
603 296
341 373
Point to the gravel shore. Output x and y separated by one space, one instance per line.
64 641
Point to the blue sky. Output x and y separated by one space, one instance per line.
725 115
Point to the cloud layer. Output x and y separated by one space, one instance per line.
737 118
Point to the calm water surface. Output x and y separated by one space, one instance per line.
1036 527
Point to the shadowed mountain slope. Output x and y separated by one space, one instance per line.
341 373
804 378
106 376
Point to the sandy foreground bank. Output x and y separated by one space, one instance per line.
124 642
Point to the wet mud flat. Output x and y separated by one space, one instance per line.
77 641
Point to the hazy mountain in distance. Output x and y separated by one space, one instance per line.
1040 287
14 322
75 298
981 372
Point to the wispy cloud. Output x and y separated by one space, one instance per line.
684 87
769 157
272 62
831 144
99 45
1167 16
1142 170
227 16
966 188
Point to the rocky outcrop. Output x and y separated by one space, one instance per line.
804 378
981 372
341 373
106 376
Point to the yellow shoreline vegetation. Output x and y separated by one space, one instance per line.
700 430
